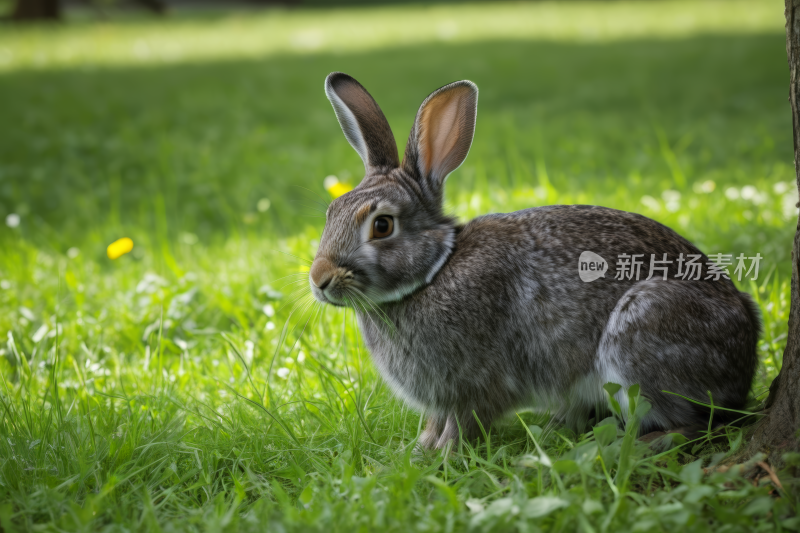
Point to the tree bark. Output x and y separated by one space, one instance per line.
37 10
778 432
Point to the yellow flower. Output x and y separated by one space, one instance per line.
335 187
119 248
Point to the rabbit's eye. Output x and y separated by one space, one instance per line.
382 227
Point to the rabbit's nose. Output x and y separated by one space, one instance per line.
321 273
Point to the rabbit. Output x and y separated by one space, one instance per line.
470 321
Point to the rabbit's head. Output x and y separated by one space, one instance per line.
389 235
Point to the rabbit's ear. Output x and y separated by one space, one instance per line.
442 134
362 122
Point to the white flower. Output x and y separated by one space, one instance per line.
672 200
13 220
671 196
283 372
780 187
150 283
749 192
788 206
651 203
330 181
706 187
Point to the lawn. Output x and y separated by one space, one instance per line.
194 385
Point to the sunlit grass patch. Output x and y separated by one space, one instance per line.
256 34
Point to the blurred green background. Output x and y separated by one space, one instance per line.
205 136
206 113
171 130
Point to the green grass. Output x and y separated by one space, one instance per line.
193 385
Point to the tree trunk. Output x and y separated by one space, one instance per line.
778 432
37 10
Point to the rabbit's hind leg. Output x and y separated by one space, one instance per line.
464 425
433 431
685 337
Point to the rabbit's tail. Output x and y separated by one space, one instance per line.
753 314
747 359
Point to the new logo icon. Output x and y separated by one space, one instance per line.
591 266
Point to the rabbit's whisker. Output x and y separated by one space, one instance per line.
380 312
293 282
285 333
300 335
309 261
305 274
318 195
302 291
314 208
